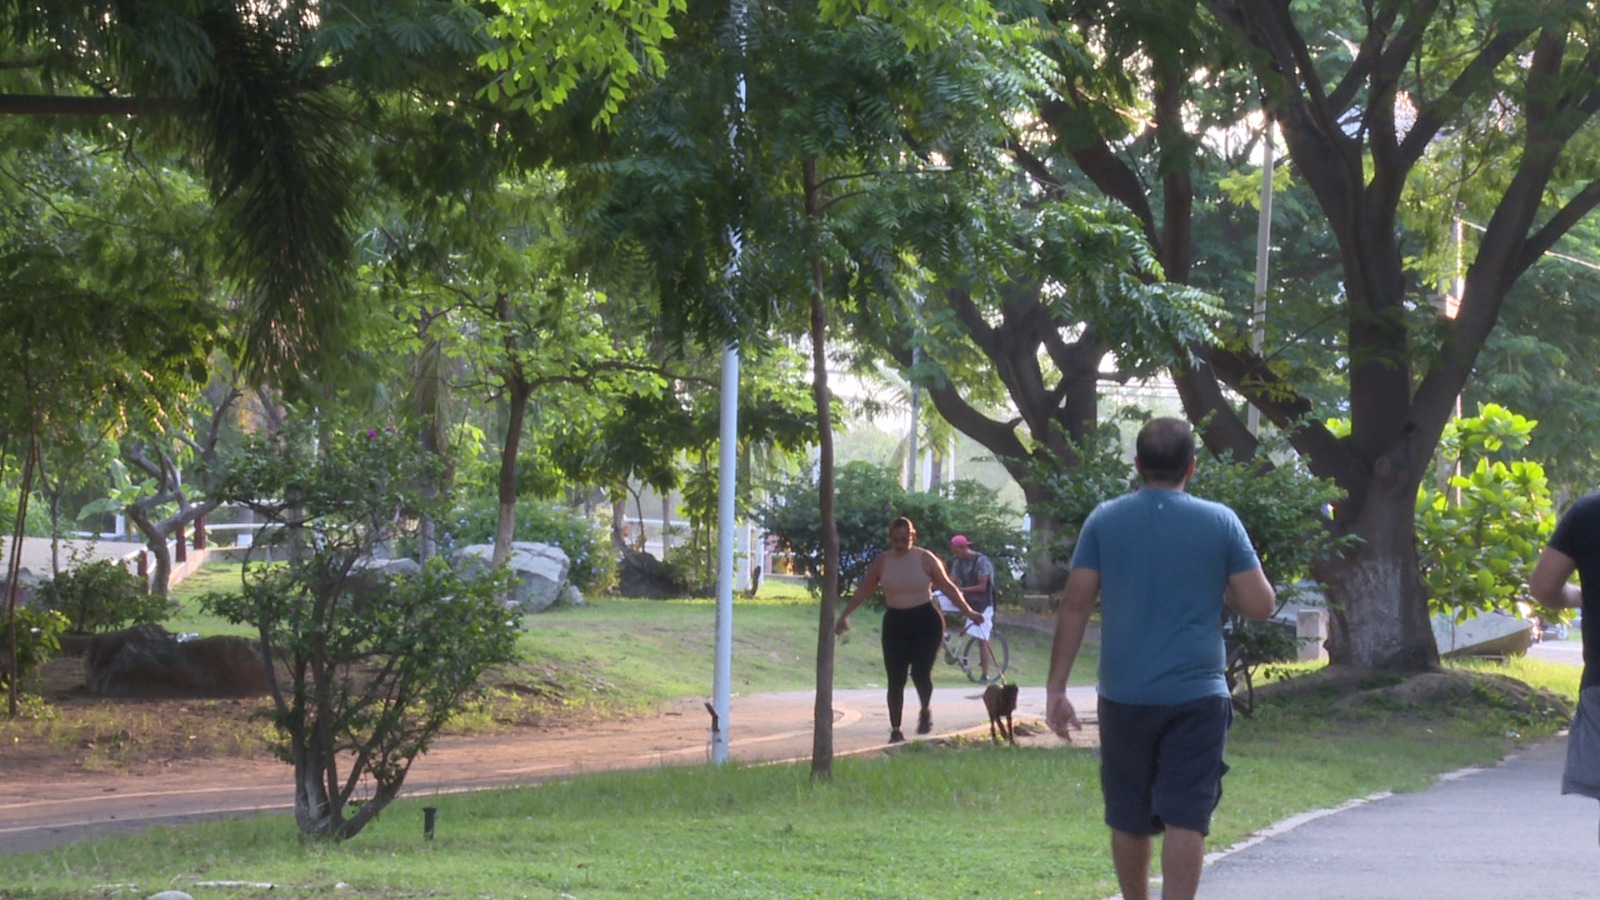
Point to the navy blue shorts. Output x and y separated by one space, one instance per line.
1162 765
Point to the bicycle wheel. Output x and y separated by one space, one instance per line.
972 657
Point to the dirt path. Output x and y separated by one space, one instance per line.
45 810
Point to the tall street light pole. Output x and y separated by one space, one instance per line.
727 456
1258 313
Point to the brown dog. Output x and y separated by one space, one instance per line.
1001 701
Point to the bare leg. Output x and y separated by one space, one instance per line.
1183 853
1131 854
987 656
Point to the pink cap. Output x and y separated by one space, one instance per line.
960 541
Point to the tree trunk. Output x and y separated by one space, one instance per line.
1048 566
666 523
505 528
155 540
1058 414
619 517
1377 602
14 565
315 813
518 390
822 734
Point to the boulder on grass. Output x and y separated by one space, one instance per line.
642 575
147 661
540 570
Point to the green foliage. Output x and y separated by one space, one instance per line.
587 545
547 47
1097 474
38 638
1284 510
1535 362
1282 506
1479 536
373 666
102 595
870 497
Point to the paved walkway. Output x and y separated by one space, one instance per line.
37 553
1484 834
42 556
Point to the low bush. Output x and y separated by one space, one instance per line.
100 595
868 498
38 638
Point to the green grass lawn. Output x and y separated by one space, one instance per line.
626 656
965 819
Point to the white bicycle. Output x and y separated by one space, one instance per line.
968 654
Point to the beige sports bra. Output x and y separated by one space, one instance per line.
904 582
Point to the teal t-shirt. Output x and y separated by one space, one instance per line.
1164 559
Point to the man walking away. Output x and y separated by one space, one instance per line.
1163 564
1575 547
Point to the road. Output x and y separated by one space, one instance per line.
762 728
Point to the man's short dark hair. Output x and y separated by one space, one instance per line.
1164 449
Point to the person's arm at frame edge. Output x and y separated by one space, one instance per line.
1550 582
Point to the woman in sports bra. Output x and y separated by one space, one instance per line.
912 625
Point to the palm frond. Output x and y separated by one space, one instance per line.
273 152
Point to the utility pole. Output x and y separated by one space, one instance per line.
1258 313
727 456
916 415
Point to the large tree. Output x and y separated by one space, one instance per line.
1399 117
1375 105
849 146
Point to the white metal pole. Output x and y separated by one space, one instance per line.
722 677
1258 314
727 471
916 416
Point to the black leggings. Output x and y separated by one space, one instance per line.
910 642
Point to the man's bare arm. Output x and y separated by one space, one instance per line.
1251 595
1550 582
1072 620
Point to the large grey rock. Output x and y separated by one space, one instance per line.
540 572
403 567
369 578
149 661
642 575
571 596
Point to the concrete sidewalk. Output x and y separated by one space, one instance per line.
1481 833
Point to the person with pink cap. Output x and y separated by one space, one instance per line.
974 573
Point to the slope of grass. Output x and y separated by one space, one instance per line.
627 655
